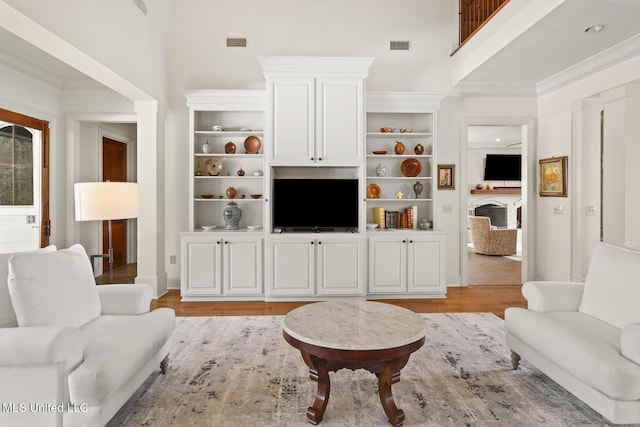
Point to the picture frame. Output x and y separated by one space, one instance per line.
446 177
553 176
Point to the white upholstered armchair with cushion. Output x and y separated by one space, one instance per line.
586 336
72 353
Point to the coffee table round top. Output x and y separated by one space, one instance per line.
354 325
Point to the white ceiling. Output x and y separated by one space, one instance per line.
551 52
557 49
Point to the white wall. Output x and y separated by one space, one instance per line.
554 237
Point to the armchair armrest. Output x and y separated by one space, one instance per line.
630 342
553 296
40 345
125 299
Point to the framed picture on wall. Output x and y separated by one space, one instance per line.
553 177
446 177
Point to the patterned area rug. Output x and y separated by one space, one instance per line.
239 371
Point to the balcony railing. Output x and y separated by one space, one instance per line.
475 13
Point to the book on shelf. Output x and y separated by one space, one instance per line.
404 219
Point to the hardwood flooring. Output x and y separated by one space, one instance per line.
492 270
478 298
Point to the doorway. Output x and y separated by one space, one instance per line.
502 200
114 169
24 182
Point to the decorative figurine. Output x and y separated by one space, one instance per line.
381 170
206 148
417 188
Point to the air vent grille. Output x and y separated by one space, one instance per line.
236 42
399 45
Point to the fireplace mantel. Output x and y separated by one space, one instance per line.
498 191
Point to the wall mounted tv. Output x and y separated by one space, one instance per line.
315 205
503 167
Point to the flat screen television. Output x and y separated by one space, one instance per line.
503 167
315 204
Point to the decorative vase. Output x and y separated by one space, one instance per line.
231 193
206 148
418 149
232 215
417 188
252 144
425 224
381 170
399 148
240 172
230 148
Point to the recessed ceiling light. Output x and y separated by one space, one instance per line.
497 139
595 28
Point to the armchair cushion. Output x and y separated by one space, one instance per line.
125 299
40 284
612 287
488 241
7 314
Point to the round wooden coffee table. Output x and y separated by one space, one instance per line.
367 335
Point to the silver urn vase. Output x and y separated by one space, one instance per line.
232 215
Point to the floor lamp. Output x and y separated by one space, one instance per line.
106 201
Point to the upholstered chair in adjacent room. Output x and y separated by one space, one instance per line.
489 241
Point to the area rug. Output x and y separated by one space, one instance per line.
239 371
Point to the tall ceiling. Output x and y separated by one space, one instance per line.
552 52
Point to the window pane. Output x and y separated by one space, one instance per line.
16 166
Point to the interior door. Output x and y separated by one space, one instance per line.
24 182
114 169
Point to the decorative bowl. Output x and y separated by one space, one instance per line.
374 191
208 227
217 128
411 167
254 227
372 226
255 196
406 130
387 129
380 152
207 196
252 144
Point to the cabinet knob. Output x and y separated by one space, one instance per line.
226 242
312 159
319 243
319 159
311 242
218 242
410 241
404 241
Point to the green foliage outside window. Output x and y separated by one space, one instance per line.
16 166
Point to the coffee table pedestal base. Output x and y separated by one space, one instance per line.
387 371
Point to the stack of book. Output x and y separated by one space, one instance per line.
406 218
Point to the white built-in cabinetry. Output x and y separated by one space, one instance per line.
313 120
316 265
315 111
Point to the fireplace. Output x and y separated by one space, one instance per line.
497 214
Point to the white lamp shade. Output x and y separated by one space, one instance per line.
96 201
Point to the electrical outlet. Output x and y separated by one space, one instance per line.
590 210
172 259
447 209
558 210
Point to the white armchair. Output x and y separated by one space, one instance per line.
586 336
72 353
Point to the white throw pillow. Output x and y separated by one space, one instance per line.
54 288
7 314
612 288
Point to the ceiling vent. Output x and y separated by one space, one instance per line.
399 45
236 42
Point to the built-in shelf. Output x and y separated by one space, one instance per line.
498 191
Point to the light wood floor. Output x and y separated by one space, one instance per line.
478 298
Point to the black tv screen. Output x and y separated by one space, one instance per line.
315 204
503 167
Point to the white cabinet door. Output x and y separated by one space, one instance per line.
340 123
242 266
201 269
292 121
340 267
387 265
424 266
292 267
